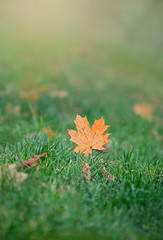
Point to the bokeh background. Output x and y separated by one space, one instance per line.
88 57
136 22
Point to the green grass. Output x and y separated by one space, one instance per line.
56 202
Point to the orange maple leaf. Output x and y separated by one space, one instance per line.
86 138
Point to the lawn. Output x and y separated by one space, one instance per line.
46 86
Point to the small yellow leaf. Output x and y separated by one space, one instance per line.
49 132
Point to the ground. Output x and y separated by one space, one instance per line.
46 86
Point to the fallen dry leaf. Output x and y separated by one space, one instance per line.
43 185
86 171
31 95
144 110
12 173
31 161
30 90
13 109
153 172
43 89
104 171
48 131
110 177
88 139
59 94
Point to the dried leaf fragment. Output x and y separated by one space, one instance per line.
144 110
31 161
88 139
153 172
59 94
31 95
104 171
110 177
31 91
86 172
12 173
